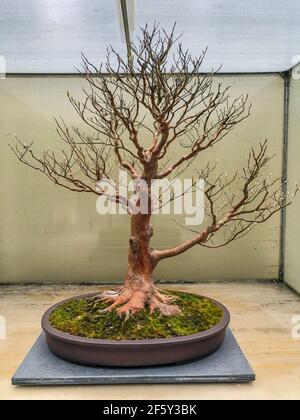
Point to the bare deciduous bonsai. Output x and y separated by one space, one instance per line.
161 96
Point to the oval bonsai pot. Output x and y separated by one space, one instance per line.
132 353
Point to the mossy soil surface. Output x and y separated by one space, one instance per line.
84 318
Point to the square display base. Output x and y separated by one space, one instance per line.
227 365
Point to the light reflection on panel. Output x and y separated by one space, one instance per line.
242 35
48 36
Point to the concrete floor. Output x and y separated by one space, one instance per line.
261 320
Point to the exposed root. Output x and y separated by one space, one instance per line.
130 301
163 297
113 297
135 304
108 296
164 308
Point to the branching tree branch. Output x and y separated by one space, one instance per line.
259 199
139 112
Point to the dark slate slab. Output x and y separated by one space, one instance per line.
227 365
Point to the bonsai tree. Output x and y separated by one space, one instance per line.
158 94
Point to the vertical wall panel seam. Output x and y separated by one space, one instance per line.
287 83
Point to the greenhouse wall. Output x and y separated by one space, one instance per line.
51 235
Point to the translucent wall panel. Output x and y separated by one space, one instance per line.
242 35
292 251
53 235
48 36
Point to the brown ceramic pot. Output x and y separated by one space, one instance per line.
152 352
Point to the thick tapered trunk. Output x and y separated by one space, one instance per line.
141 263
139 290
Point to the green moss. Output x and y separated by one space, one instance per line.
81 318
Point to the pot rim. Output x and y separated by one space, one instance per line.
73 339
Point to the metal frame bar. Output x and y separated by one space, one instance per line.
106 74
287 83
126 27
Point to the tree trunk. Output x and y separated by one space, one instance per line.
141 264
139 290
